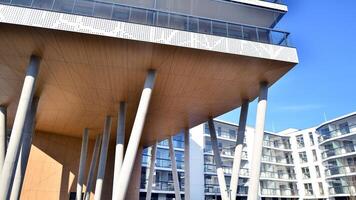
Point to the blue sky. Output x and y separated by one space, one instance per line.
324 81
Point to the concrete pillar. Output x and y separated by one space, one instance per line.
103 158
133 190
3 135
174 169
253 190
135 137
24 153
119 151
151 172
9 167
238 149
186 165
93 163
82 163
219 169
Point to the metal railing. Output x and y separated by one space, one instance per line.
153 17
337 132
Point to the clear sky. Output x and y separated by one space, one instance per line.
323 84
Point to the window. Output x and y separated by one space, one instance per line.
303 157
300 141
317 169
311 138
321 188
306 172
232 134
308 189
315 157
344 128
219 131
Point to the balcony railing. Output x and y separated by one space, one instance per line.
226 152
334 190
161 185
342 170
152 17
176 143
279 192
276 159
227 169
338 151
276 175
278 144
214 188
350 129
167 163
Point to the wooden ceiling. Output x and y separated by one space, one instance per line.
84 77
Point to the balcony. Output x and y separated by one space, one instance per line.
338 151
279 192
349 130
211 168
176 143
348 190
276 175
276 144
167 163
226 152
211 187
276 159
161 185
340 170
153 17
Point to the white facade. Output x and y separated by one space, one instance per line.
314 163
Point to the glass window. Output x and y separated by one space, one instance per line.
344 128
249 33
103 9
121 13
162 19
84 7
138 16
63 5
178 22
321 188
263 35
219 28
300 141
5 1
308 189
204 26
193 24
315 157
303 157
317 169
21 2
235 31
311 138
305 172
43 4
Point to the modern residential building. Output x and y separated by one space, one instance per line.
313 163
147 69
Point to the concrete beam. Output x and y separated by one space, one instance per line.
217 158
186 165
93 164
253 190
135 137
103 158
24 154
9 167
238 149
3 135
82 163
151 172
174 169
119 150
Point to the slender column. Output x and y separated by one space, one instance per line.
24 153
119 151
93 163
186 165
151 172
253 191
219 169
135 137
9 167
82 162
103 157
174 169
2 135
238 149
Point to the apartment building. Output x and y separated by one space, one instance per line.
313 163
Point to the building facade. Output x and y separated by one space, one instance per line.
313 163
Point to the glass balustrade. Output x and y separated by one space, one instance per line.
338 151
350 129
